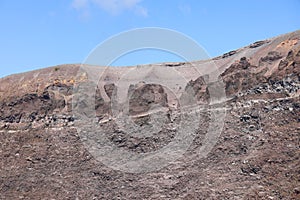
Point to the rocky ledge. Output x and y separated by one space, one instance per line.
256 155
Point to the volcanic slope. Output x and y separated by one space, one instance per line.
256 155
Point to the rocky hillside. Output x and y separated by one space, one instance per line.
256 155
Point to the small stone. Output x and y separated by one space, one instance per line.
252 127
245 118
297 190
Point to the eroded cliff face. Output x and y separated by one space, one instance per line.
256 156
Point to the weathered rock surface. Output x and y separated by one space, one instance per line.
257 155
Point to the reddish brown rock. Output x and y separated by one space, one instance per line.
256 156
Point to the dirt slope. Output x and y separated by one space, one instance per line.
257 155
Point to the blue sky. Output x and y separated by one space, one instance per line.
36 34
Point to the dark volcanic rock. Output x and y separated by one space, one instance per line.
145 96
256 156
199 89
230 53
272 56
258 43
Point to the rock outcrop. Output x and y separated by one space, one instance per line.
256 155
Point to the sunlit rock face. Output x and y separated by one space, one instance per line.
43 156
